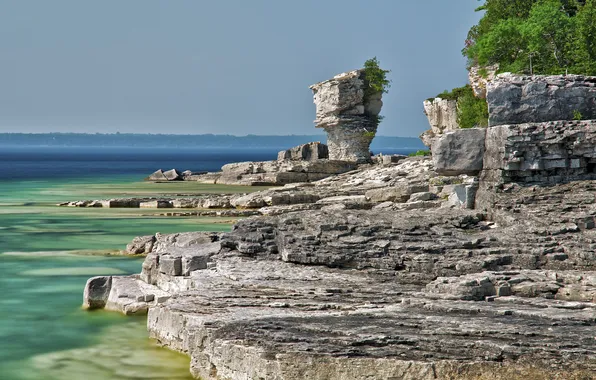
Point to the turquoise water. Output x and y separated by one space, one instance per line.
44 334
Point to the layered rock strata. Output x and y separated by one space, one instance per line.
349 114
349 293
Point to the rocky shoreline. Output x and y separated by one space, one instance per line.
477 263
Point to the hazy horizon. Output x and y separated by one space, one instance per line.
226 67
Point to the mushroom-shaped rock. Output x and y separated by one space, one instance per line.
349 114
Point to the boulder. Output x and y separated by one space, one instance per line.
459 152
158 175
306 152
97 290
141 245
172 175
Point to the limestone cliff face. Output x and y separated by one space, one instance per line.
442 117
348 114
479 78
517 99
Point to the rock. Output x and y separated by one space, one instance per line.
399 193
442 117
479 76
550 152
254 200
517 99
392 159
172 175
306 152
156 204
459 152
348 114
141 245
96 292
424 196
418 293
121 203
158 175
281 172
171 266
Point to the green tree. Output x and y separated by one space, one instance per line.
538 36
548 34
584 48
376 77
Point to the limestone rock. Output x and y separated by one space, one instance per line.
141 245
306 152
348 114
96 292
550 152
172 175
517 99
459 152
158 175
479 76
442 117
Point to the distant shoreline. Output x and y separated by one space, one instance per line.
205 141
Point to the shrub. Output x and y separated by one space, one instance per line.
471 111
577 115
420 153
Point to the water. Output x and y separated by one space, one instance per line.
44 334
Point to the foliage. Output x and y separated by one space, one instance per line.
535 36
369 134
420 153
471 111
577 115
454 94
376 77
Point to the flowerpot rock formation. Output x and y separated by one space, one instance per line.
349 114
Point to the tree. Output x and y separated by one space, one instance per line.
376 77
538 36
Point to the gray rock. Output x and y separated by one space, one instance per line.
459 152
516 99
442 117
97 290
156 204
171 266
141 245
550 152
158 175
172 175
307 152
348 114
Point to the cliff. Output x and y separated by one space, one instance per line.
422 268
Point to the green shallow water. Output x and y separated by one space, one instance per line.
44 334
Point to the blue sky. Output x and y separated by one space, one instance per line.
235 67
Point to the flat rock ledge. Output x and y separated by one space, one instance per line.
342 293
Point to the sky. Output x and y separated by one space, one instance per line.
221 66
